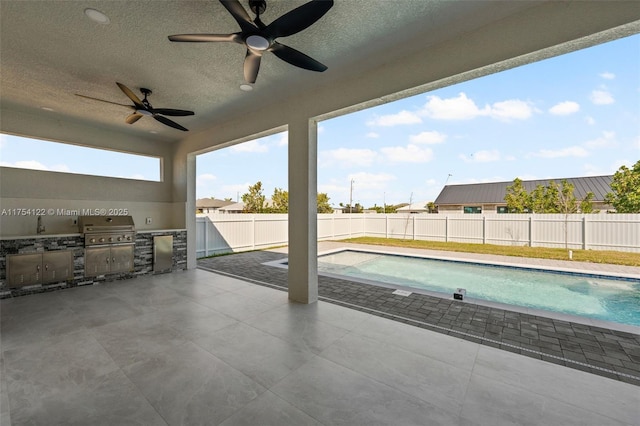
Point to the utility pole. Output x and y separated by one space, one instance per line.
445 182
351 198
384 202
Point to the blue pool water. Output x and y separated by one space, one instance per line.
616 300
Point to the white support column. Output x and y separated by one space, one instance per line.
190 211
303 228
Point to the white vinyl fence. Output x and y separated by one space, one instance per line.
223 233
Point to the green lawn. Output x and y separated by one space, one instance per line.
594 256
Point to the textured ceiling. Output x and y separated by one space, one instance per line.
51 51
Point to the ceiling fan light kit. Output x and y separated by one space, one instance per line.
259 37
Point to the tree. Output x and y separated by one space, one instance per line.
586 205
431 207
254 200
542 200
323 203
625 195
566 200
517 198
280 201
552 198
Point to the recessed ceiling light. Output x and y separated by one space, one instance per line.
47 108
153 131
97 16
246 87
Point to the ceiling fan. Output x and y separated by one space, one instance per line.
258 37
143 107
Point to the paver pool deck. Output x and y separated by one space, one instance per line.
599 347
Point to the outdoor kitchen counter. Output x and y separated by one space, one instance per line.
41 243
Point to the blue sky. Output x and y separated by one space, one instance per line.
574 115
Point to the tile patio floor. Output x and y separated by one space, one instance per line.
199 348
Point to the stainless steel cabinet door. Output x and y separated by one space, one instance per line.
57 266
122 259
24 269
97 261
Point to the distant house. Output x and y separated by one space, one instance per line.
489 197
414 208
210 205
232 208
239 206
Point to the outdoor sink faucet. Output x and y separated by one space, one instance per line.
40 229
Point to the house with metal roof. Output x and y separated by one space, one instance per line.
489 197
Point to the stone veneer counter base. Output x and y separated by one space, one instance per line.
143 259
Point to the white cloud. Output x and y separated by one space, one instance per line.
402 117
458 108
320 129
484 156
409 154
590 120
619 163
601 97
608 75
204 179
511 109
283 138
607 140
565 108
240 188
572 151
372 135
256 145
428 138
36 165
463 108
364 180
346 157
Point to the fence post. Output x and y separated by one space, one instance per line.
414 227
484 229
206 236
446 229
531 231
386 225
253 231
584 232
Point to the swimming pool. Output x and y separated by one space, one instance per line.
592 296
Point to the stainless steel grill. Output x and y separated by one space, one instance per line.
107 230
109 243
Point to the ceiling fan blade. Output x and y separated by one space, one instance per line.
171 112
251 66
136 101
102 100
298 19
297 58
204 38
133 118
239 14
165 120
